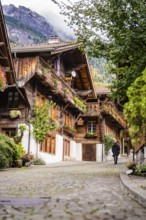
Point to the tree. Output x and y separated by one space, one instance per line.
43 122
114 29
135 109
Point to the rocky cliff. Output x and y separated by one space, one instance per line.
26 27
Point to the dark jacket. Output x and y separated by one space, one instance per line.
115 149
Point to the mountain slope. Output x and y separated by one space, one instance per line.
28 27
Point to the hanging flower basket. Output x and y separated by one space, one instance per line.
2 79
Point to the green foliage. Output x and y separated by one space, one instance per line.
43 122
56 83
135 109
91 134
108 142
66 91
20 150
8 152
15 114
22 128
70 128
131 165
140 170
80 104
115 30
38 161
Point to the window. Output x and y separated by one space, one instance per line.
68 120
66 147
91 126
11 132
49 145
13 99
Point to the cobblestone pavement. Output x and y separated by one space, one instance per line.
68 190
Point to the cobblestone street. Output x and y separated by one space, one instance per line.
69 190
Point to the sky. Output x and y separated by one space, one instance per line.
45 8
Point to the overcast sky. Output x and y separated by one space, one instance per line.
45 8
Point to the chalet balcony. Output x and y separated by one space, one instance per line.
58 86
93 109
114 113
69 130
13 114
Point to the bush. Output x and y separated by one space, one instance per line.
8 152
140 170
131 165
20 149
39 161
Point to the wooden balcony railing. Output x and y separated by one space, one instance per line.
58 85
93 109
111 110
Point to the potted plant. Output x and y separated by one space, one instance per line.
91 135
15 114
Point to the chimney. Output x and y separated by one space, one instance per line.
53 39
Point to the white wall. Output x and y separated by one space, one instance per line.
99 152
79 151
73 150
48 158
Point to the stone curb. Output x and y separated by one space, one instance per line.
136 192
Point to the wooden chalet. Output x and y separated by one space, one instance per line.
101 118
57 72
11 98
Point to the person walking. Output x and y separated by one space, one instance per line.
115 151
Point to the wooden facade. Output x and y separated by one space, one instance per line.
11 98
59 73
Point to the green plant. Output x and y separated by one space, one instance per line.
108 142
20 149
8 152
140 170
80 104
38 161
45 70
43 122
56 83
70 128
18 138
91 134
131 165
66 91
22 128
15 114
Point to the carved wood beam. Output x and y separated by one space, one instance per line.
77 118
65 107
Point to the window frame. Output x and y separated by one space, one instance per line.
91 126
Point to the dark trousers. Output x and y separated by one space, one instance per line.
115 158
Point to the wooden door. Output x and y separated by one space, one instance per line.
89 152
